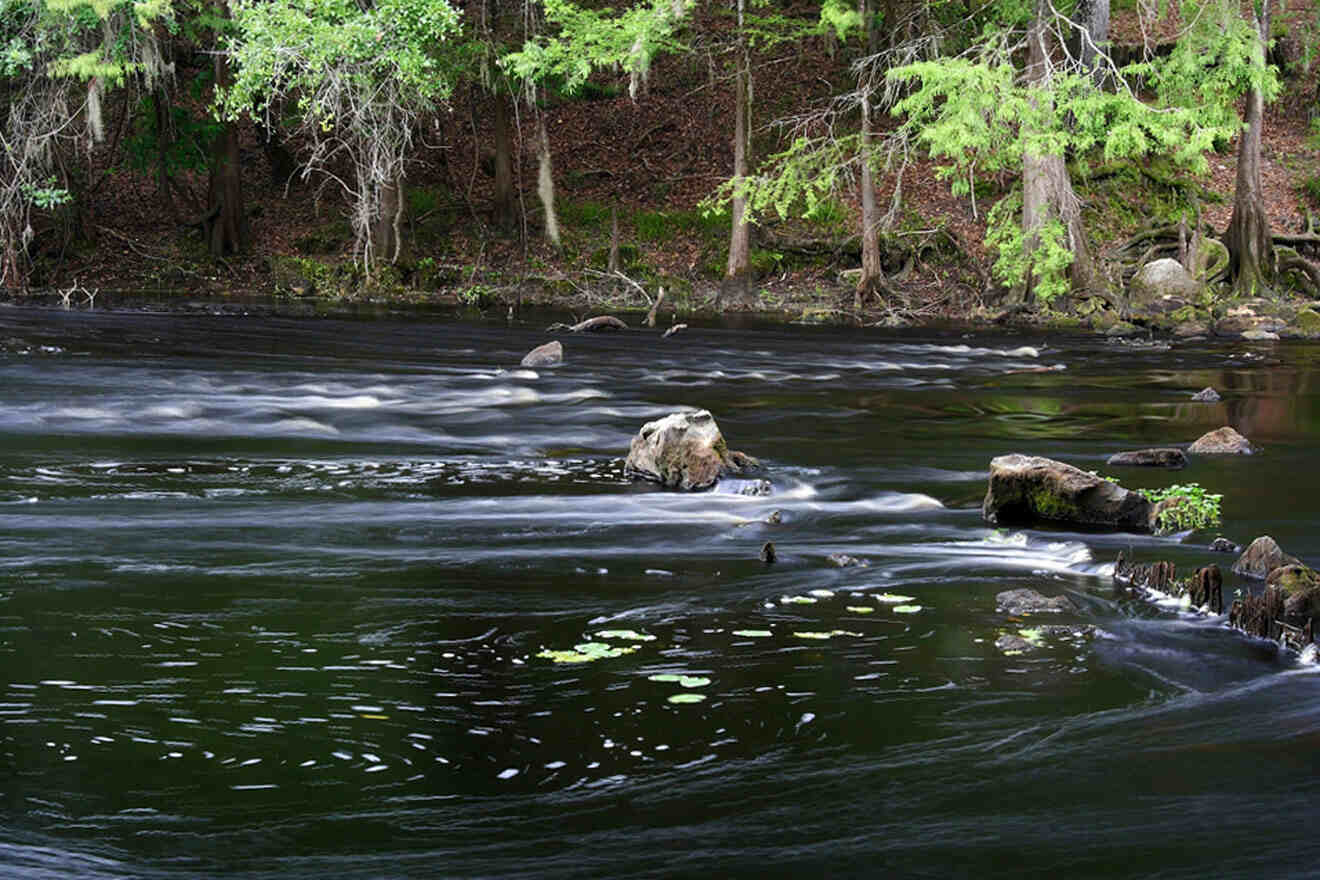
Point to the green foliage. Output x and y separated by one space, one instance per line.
582 215
595 39
1047 262
184 145
48 196
660 226
1196 508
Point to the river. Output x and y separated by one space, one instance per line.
283 598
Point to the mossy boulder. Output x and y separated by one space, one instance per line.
1302 586
1306 324
685 451
1162 286
1025 489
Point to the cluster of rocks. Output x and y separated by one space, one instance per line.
1284 612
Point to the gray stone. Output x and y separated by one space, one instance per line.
1223 545
843 560
685 451
1025 601
1160 283
1261 557
1164 457
548 355
1207 395
1027 488
1221 441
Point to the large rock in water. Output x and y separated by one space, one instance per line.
685 451
548 355
1221 441
1262 557
1163 457
1028 488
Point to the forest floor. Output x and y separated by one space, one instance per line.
651 162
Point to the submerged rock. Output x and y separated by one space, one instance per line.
1206 395
1024 601
843 560
1165 458
1302 586
1260 558
1221 441
1028 488
548 355
768 552
1223 545
685 451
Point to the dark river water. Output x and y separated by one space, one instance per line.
282 598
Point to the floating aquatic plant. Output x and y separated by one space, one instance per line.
753 633
823 594
797 600
587 652
664 677
825 635
893 598
861 609
625 634
906 609
1032 636
687 698
693 681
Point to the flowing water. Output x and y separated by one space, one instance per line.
283 598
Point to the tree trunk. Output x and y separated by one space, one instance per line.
387 239
872 279
737 283
1047 193
545 184
505 204
1248 234
1092 17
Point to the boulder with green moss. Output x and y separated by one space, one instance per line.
1025 489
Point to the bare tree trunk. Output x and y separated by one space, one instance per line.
872 279
545 184
387 239
1092 16
505 204
1248 235
1047 193
737 281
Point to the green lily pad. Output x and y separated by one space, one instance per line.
893 598
823 594
906 609
1033 636
861 609
825 635
664 676
694 681
626 634
753 633
687 698
587 652
796 600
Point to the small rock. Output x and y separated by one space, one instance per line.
1206 395
1260 336
1165 458
1011 644
548 355
775 518
756 488
1262 557
677 328
1025 601
768 552
1221 441
1223 545
843 560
